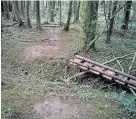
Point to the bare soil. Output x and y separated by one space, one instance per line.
49 47
62 108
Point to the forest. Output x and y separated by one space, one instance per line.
72 59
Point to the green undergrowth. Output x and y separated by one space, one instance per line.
106 104
26 82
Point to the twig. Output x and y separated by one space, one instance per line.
76 75
120 65
133 92
116 58
131 64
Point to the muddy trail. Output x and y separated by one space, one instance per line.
50 45
62 108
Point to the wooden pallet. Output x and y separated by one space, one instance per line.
105 71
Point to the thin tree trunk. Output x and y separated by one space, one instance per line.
126 15
52 6
74 8
16 13
38 18
66 28
10 6
23 8
109 12
77 13
111 22
28 21
6 9
90 10
60 11
2 7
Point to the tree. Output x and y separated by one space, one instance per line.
28 21
16 13
6 9
23 8
60 11
90 10
52 6
77 12
2 8
38 19
66 28
126 15
111 22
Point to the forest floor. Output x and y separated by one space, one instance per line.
35 66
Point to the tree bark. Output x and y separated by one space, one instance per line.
60 11
6 9
23 8
111 22
28 21
90 10
10 6
126 15
2 8
77 13
66 28
38 18
52 7
16 13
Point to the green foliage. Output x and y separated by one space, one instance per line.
127 100
132 25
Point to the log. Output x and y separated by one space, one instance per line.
104 66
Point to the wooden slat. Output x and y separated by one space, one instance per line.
103 66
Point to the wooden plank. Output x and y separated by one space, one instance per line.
107 67
102 72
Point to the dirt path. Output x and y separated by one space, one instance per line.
62 108
51 45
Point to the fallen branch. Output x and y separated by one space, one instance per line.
120 65
117 58
76 75
131 64
133 92
89 46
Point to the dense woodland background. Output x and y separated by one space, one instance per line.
102 30
119 15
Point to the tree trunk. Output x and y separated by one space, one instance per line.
10 6
109 11
111 22
52 6
38 18
23 8
77 13
16 13
90 10
74 9
126 15
60 11
66 28
6 9
28 21
2 8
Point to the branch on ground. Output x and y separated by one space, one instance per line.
121 57
131 64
